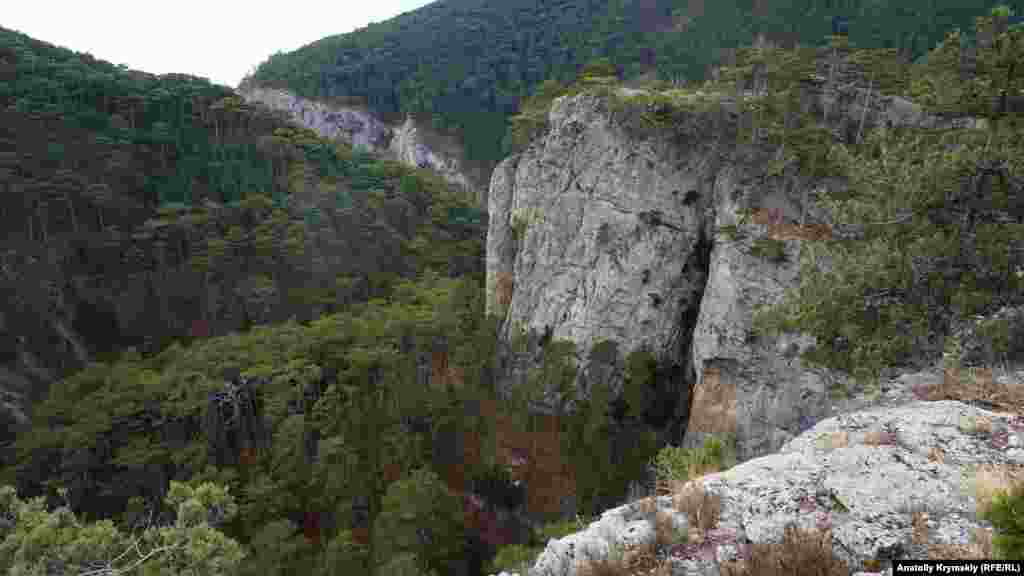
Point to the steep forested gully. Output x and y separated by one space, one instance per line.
275 345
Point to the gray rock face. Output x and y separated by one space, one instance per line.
571 236
862 475
363 130
408 147
598 234
604 243
356 127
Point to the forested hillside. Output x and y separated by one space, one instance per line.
469 63
277 349
130 194
228 298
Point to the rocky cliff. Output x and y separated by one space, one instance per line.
899 479
668 242
405 142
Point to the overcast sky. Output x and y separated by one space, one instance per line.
220 40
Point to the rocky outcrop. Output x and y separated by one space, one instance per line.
599 233
408 147
596 237
886 482
356 127
361 129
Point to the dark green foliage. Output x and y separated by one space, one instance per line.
682 464
355 433
604 351
421 516
532 119
599 68
641 370
769 249
514 558
278 549
35 540
467 66
930 220
188 125
133 422
1006 513
358 415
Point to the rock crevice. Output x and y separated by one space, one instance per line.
598 231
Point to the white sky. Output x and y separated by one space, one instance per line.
220 40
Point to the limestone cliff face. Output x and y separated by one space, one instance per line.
404 142
408 147
596 233
354 126
592 237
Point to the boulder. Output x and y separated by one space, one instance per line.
886 482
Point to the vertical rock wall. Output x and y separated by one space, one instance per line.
599 234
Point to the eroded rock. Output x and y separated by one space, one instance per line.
864 476
598 232
362 129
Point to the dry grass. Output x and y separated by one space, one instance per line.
971 385
979 548
504 287
714 404
633 561
701 507
647 506
801 553
779 229
809 553
665 532
990 480
872 565
919 523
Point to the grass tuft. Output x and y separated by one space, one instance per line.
800 553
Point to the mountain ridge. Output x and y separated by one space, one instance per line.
342 402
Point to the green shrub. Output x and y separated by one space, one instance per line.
769 249
731 232
35 540
417 504
677 463
514 558
519 557
604 351
641 369
1006 513
556 530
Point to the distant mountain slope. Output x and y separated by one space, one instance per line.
140 209
468 63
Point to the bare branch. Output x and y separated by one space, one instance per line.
128 569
